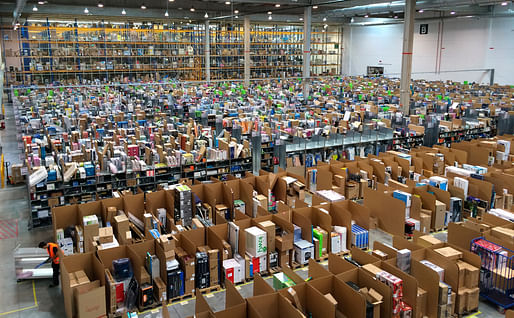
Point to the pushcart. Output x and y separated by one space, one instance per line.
28 263
496 272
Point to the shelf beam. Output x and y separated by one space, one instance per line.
207 50
247 50
408 40
307 15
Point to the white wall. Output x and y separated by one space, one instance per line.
467 43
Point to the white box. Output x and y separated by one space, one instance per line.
335 242
342 232
256 243
304 250
437 269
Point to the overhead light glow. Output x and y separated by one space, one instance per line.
396 17
236 11
166 14
192 9
421 11
123 11
270 17
504 3
301 19
86 11
34 8
100 4
366 16
352 20
324 19
143 7
277 5
206 15
41 2
227 2
314 7
452 12
269 12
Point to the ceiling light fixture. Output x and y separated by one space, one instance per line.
270 17
206 15
236 17
166 14
452 12
227 2
314 7
324 19
100 4
504 3
396 17
192 9
41 2
34 8
86 11
366 15
171 0
143 7
421 10
123 11
352 20
301 19
277 5
236 11
269 12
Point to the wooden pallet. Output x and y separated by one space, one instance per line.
444 228
210 289
322 258
154 305
466 313
341 254
274 270
294 265
180 298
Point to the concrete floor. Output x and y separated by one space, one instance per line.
34 298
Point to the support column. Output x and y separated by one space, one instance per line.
247 50
207 51
408 40
307 13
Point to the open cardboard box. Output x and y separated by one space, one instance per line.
90 301
309 218
307 299
271 306
63 217
363 279
387 218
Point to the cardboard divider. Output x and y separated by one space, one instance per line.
260 286
338 265
341 216
310 300
64 216
239 190
201 305
316 270
95 299
349 302
107 256
387 218
160 200
362 257
135 204
429 281
271 306
410 285
192 239
461 236
360 277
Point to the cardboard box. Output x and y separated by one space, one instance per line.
427 241
90 300
439 214
449 253
471 275
283 243
443 293
425 221
421 301
159 289
374 298
269 228
472 297
372 269
503 233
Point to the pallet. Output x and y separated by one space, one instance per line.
210 289
180 298
294 265
154 305
466 313
444 228
274 270
341 254
322 258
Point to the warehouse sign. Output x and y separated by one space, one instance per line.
423 29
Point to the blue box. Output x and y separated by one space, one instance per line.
90 170
52 175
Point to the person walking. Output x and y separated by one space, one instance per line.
52 249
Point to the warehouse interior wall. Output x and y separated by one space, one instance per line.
451 45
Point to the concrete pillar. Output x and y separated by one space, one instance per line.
207 51
246 50
307 13
408 40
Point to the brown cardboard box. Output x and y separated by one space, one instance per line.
508 201
316 248
425 221
443 294
352 190
90 300
283 243
503 233
454 299
144 278
269 228
427 241
331 299
449 253
440 211
421 301
472 298
372 269
159 289
89 232
189 286
283 258
105 235
373 297
379 254
460 302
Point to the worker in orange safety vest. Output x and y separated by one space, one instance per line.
52 249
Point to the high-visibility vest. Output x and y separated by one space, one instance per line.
50 250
